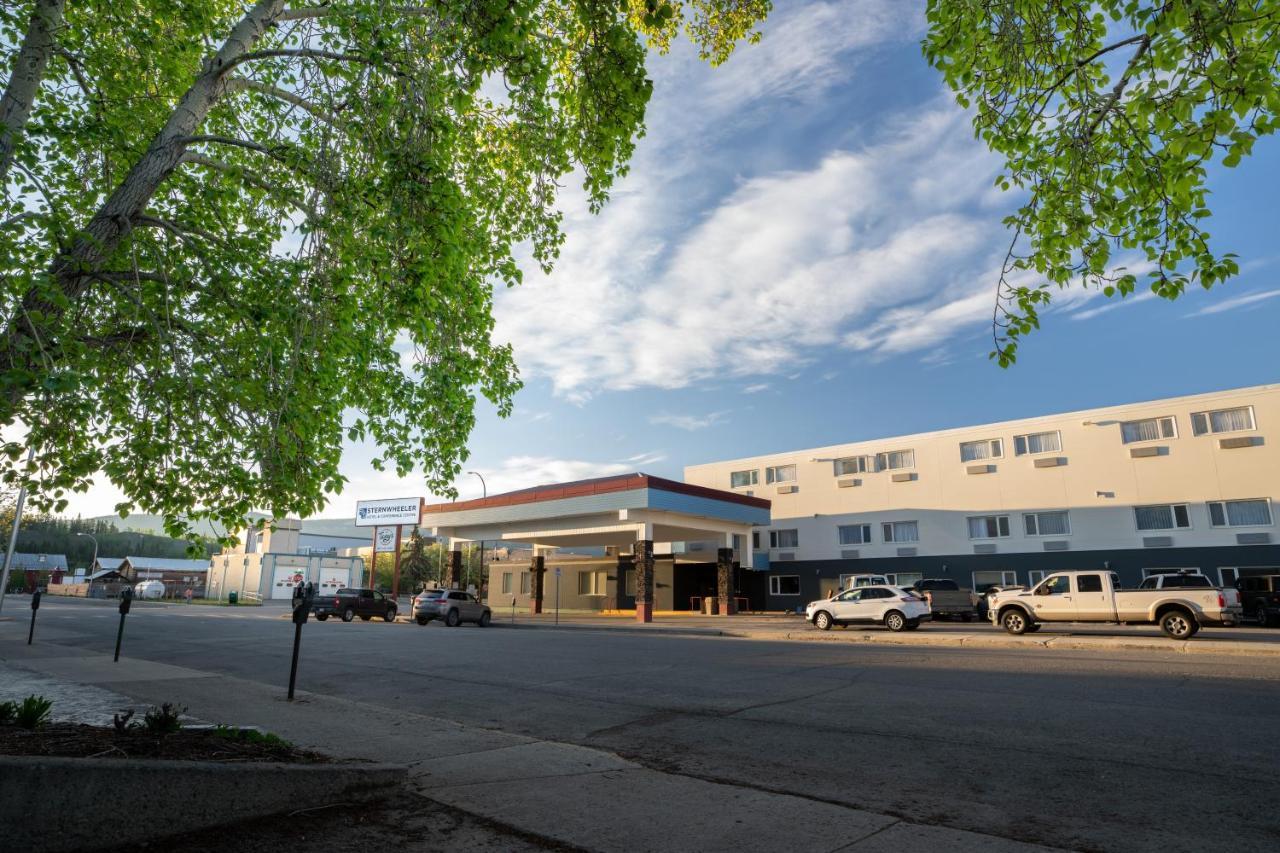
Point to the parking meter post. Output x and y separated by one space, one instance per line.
126 601
35 605
301 609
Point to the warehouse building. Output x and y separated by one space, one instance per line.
274 562
1186 482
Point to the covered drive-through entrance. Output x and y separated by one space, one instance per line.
624 516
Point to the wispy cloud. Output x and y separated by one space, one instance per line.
691 423
1112 304
1236 302
756 388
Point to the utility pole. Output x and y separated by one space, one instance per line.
484 493
13 534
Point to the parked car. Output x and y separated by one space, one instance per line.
946 599
855 581
149 589
1096 596
453 606
350 603
1260 597
1172 580
896 608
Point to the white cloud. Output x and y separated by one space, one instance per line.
690 423
1236 302
523 472
756 388
1113 304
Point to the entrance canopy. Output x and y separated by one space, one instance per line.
618 511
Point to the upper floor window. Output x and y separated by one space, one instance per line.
851 465
1162 517
1150 429
901 531
784 539
1251 513
780 474
1037 442
992 448
855 534
739 479
1054 523
895 459
1223 420
988 526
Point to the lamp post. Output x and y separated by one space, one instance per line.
13 534
484 493
94 561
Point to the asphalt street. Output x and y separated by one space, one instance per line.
1086 750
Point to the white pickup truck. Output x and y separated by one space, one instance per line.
1096 596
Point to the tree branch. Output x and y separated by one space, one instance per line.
297 53
1144 42
24 81
237 84
250 177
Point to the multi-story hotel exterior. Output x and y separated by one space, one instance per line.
1186 482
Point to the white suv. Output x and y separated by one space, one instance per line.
896 608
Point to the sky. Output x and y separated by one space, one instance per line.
803 254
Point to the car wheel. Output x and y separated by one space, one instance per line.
484 619
452 620
895 621
422 620
348 615
1033 627
390 615
1015 621
822 619
320 617
1178 624
913 624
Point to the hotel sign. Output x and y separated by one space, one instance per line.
389 511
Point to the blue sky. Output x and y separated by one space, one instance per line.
804 254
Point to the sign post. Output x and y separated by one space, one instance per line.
387 516
557 595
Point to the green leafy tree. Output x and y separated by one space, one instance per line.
1108 114
416 566
236 233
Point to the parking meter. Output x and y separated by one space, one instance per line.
301 609
35 605
126 601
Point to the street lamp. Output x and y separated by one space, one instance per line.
484 493
94 561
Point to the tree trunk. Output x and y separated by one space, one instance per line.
24 82
71 272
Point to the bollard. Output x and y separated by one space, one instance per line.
301 609
35 605
126 601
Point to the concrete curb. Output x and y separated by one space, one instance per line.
49 805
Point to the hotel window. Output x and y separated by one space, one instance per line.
971 451
1252 513
780 474
591 583
1223 420
784 585
1055 523
851 465
1162 517
988 526
784 539
755 540
855 534
506 583
895 459
901 531
524 582
741 479
1037 442
983 581
1151 429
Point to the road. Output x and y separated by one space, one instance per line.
1082 750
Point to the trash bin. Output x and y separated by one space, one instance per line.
709 605
233 597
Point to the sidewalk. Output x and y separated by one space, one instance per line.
558 794
1246 640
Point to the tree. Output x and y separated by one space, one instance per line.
417 567
1107 114
218 265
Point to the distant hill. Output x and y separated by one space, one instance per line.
154 524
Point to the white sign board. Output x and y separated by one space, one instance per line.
384 540
389 511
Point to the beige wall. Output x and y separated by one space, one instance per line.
1099 483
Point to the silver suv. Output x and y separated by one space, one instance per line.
451 605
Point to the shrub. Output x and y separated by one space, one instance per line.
7 711
165 719
33 712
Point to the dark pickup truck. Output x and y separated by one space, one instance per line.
1260 597
946 599
347 604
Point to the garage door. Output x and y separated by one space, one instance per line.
332 580
284 579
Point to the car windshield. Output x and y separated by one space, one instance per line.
432 593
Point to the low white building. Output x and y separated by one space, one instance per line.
275 563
